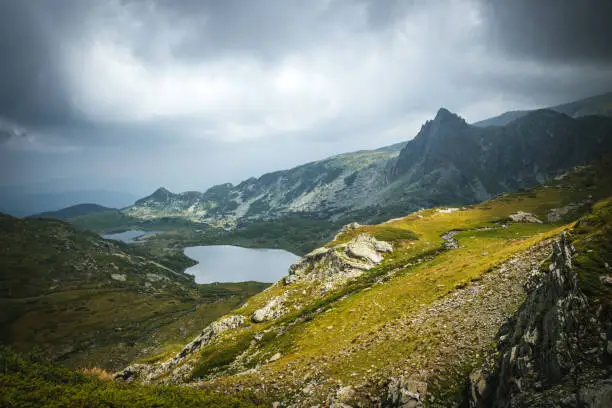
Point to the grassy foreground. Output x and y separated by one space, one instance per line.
426 311
28 381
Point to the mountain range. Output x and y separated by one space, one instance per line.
497 293
449 162
599 105
506 303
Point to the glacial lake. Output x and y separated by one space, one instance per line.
130 236
227 263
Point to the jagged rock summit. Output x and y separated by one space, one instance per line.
448 162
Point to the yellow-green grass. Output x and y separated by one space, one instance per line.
592 239
28 381
108 328
419 272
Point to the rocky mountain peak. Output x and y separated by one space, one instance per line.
162 194
445 124
162 190
444 114
443 136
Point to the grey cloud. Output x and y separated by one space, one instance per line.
557 30
33 34
31 81
10 131
383 65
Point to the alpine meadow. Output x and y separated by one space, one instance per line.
287 204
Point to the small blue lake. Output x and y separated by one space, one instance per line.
130 236
227 263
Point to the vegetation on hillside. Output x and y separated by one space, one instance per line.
93 302
366 332
30 381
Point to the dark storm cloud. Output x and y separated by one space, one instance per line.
32 88
558 30
10 131
136 79
33 36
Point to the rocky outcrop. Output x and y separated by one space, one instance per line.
272 310
522 216
333 266
449 240
548 351
148 373
405 393
368 249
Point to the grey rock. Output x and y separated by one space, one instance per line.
550 338
149 373
405 392
522 216
272 310
331 267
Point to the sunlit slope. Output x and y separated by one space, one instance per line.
429 310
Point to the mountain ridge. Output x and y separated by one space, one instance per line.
75 211
448 162
407 312
595 105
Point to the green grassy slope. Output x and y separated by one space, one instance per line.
29 381
92 302
427 312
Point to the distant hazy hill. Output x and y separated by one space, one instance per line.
24 201
76 211
597 105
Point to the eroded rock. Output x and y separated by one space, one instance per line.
552 337
331 267
522 216
272 310
405 392
148 373
367 248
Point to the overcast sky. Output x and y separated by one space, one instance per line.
132 95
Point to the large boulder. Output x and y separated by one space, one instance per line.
272 310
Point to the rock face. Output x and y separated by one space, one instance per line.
447 162
147 373
449 240
522 216
405 393
549 350
334 266
272 310
368 249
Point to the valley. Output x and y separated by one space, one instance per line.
301 208
352 323
89 302
412 275
305 204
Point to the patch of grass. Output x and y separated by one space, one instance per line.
90 302
29 381
215 357
592 239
